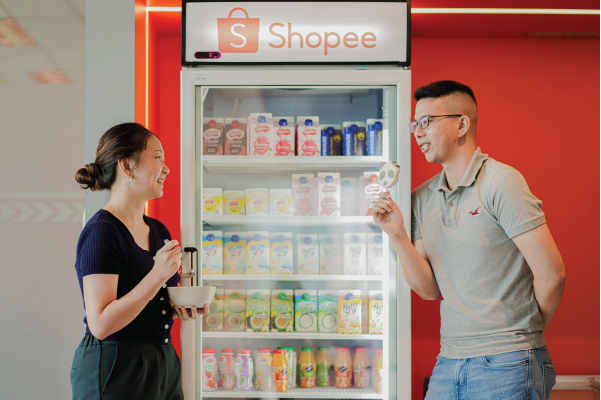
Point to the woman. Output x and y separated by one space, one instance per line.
125 262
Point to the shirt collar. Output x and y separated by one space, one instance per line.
469 176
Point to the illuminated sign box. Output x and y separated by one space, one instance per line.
295 33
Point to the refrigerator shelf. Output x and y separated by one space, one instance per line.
231 220
291 335
279 165
299 393
336 278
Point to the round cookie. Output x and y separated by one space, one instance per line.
389 174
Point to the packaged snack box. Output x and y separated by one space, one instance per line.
235 137
257 252
257 202
308 254
355 262
375 254
349 312
281 258
303 195
234 310
334 133
212 200
212 136
309 137
285 136
305 310
280 202
282 310
260 134
330 255
234 202
328 194
234 253
214 320
257 310
374 137
348 197
212 252
354 138
376 312
327 308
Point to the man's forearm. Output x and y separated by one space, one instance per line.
548 295
417 270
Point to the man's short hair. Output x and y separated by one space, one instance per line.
443 89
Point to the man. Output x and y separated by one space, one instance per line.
480 240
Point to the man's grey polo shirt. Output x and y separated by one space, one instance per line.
488 304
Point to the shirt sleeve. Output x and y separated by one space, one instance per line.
99 250
514 206
416 230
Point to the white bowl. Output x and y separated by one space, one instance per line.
188 296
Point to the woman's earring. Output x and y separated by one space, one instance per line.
129 179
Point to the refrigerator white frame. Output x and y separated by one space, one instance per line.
263 76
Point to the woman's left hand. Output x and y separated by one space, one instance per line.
187 314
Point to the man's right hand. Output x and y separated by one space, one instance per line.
388 216
168 260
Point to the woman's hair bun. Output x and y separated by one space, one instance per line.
89 177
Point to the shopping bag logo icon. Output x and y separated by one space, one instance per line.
238 35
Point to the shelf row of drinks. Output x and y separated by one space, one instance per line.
263 252
262 134
283 370
328 195
348 312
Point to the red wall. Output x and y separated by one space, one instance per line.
538 112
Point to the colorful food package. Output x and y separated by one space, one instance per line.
226 369
244 370
209 373
257 252
349 312
375 254
257 202
214 320
234 253
331 140
309 137
354 138
234 310
280 202
212 136
285 137
212 252
307 250
234 202
348 197
282 370
303 195
354 256
369 191
328 194
281 257
305 310
375 128
265 378
364 313
327 308
212 200
282 310
307 368
235 137
330 255
376 312
260 135
257 310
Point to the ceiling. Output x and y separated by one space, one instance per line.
58 29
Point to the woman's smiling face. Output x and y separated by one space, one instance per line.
151 171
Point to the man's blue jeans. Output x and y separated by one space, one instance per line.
519 375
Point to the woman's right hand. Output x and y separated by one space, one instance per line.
388 216
168 260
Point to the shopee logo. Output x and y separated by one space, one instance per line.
238 35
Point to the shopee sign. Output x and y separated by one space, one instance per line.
292 32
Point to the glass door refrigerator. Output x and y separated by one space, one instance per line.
278 166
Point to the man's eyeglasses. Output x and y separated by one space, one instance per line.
424 122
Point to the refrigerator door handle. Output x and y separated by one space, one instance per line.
192 270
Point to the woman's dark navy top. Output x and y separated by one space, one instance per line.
106 246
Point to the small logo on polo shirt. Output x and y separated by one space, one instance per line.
475 212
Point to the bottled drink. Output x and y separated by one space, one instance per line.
264 374
324 366
226 369
361 368
243 368
377 381
210 376
307 368
280 366
291 359
342 368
